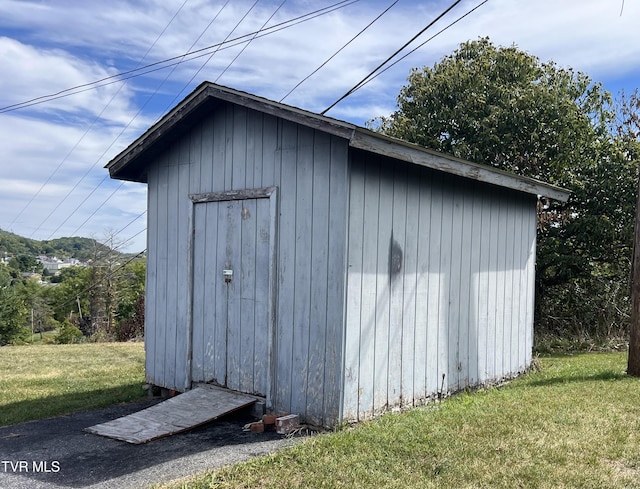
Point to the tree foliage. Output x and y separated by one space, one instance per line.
504 107
13 311
76 247
78 301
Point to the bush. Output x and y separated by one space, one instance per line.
585 314
69 334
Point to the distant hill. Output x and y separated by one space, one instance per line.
80 248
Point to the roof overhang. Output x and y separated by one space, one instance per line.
131 164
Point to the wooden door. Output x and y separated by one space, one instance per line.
231 294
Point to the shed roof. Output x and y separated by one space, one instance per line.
131 163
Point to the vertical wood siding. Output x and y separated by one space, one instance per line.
439 288
235 149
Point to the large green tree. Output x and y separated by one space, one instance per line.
13 311
504 107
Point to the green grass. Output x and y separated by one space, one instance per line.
573 424
40 381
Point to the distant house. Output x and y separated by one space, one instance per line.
333 270
54 265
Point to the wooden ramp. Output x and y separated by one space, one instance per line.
183 412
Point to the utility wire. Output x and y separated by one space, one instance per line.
270 30
95 188
175 65
212 55
118 77
98 282
338 51
364 80
95 120
229 65
304 18
249 42
150 97
422 44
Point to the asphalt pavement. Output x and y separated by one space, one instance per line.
57 453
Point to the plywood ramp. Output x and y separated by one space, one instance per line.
183 412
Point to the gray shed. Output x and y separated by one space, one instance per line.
334 271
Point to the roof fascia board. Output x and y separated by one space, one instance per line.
401 150
287 112
158 130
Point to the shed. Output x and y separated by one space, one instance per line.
333 270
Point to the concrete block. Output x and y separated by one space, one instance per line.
287 424
258 409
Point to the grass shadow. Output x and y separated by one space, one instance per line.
61 404
607 375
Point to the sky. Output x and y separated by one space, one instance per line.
53 148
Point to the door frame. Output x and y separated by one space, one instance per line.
228 195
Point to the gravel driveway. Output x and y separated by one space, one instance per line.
57 453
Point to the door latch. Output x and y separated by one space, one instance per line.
228 275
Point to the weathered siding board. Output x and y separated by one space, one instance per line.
445 335
367 342
336 270
356 279
459 271
320 280
152 280
183 282
287 139
383 290
162 263
529 300
262 282
430 263
420 225
476 341
411 349
482 286
398 294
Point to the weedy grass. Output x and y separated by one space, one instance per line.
574 423
40 381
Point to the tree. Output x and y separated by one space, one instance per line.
25 263
13 311
503 107
628 129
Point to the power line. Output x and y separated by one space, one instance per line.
95 188
287 24
249 42
96 119
117 137
422 44
144 70
364 80
212 55
98 282
338 51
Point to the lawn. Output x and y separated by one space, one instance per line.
39 381
574 423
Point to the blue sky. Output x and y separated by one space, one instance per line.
53 182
